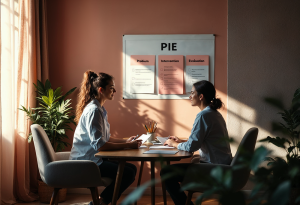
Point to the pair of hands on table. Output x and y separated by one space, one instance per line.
134 143
173 141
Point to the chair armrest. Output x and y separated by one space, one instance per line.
62 156
72 174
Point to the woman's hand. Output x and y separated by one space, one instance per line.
135 144
171 143
130 139
176 139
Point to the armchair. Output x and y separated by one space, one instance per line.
58 171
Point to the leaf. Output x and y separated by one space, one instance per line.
47 85
217 173
294 172
258 156
205 195
46 100
269 159
30 138
279 142
50 92
281 195
228 179
57 92
296 97
297 200
274 102
68 93
291 148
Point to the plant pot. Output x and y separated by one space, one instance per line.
45 193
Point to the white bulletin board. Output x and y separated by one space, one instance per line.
164 45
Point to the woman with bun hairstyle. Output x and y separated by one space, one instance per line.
92 133
209 135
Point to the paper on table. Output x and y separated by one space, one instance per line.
161 147
160 152
162 139
144 138
142 146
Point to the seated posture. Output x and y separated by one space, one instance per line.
92 133
209 135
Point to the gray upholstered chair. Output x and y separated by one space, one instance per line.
239 177
58 171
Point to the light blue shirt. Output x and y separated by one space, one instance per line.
92 132
209 135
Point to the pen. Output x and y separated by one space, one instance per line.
135 137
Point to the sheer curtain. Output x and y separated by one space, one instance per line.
22 59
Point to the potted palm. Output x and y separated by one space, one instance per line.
55 115
283 174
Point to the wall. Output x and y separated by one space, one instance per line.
87 35
263 60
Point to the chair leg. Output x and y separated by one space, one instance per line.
189 198
140 177
164 191
95 196
54 198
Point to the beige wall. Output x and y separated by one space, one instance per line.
263 60
87 35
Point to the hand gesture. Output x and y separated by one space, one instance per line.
130 139
171 143
135 144
176 139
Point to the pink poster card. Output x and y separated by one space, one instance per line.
170 69
197 60
142 60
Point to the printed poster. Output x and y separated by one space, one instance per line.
197 69
170 69
142 68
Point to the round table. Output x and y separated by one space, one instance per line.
137 155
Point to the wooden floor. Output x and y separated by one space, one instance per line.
84 199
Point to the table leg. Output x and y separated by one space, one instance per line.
140 176
153 186
118 181
164 191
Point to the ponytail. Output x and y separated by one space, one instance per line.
208 90
89 89
216 103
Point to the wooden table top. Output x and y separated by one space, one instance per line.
137 155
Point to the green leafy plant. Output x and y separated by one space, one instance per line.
54 114
281 175
290 128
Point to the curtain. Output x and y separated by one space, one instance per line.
24 59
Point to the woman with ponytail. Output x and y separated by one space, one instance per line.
209 135
92 133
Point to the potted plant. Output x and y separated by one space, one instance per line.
54 114
282 175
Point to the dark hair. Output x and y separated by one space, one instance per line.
208 90
89 89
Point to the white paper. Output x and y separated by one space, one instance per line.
162 139
160 152
142 146
161 147
144 138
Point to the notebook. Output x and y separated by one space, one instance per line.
161 152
